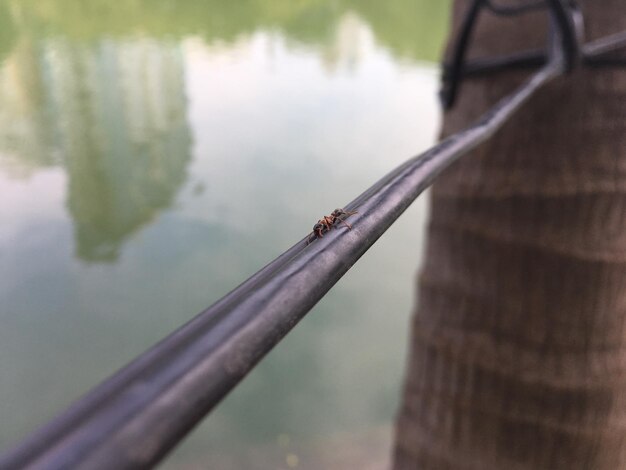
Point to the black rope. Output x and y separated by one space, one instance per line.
594 54
451 87
567 19
514 10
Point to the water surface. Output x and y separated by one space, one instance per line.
153 154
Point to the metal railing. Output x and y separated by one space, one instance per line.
136 416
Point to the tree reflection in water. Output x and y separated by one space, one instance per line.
113 115
98 87
133 122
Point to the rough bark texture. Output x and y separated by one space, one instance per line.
518 349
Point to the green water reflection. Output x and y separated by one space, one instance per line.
154 154
409 28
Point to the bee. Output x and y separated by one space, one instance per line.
328 222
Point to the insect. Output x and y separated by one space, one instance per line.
328 222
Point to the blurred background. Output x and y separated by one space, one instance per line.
154 154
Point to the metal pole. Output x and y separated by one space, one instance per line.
135 417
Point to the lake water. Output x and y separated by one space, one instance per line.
154 154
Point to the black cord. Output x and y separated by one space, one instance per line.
513 10
567 20
451 87
518 60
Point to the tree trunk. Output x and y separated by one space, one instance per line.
518 351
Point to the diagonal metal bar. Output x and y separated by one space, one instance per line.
135 417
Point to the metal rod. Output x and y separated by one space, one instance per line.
604 45
135 417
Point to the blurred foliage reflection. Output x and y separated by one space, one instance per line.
155 153
409 28
88 84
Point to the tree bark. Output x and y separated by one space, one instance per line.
518 352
